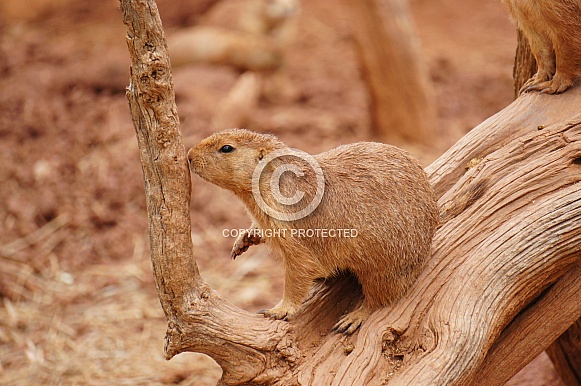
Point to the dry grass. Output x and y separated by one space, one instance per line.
101 326
104 323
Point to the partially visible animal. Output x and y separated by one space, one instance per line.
553 30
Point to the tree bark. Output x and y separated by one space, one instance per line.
525 64
401 99
165 170
505 262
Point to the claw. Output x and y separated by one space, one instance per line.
533 84
349 323
274 315
243 242
556 85
347 327
279 312
237 252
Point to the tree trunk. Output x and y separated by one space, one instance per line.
505 262
401 98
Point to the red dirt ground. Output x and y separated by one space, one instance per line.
78 300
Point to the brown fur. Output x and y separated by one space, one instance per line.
553 30
377 189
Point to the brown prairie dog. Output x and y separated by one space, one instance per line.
553 30
365 207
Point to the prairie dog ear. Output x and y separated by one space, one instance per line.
261 153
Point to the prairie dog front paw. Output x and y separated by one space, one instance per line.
244 240
281 311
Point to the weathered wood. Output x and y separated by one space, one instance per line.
527 335
497 255
565 352
242 348
506 253
401 96
525 64
167 180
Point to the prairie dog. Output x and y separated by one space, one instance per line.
553 30
375 217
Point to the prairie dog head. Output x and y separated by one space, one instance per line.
228 158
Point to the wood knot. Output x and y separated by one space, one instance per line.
390 336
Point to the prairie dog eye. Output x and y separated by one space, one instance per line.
226 149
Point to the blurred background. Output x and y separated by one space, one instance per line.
78 302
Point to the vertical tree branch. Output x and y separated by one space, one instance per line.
196 314
165 169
